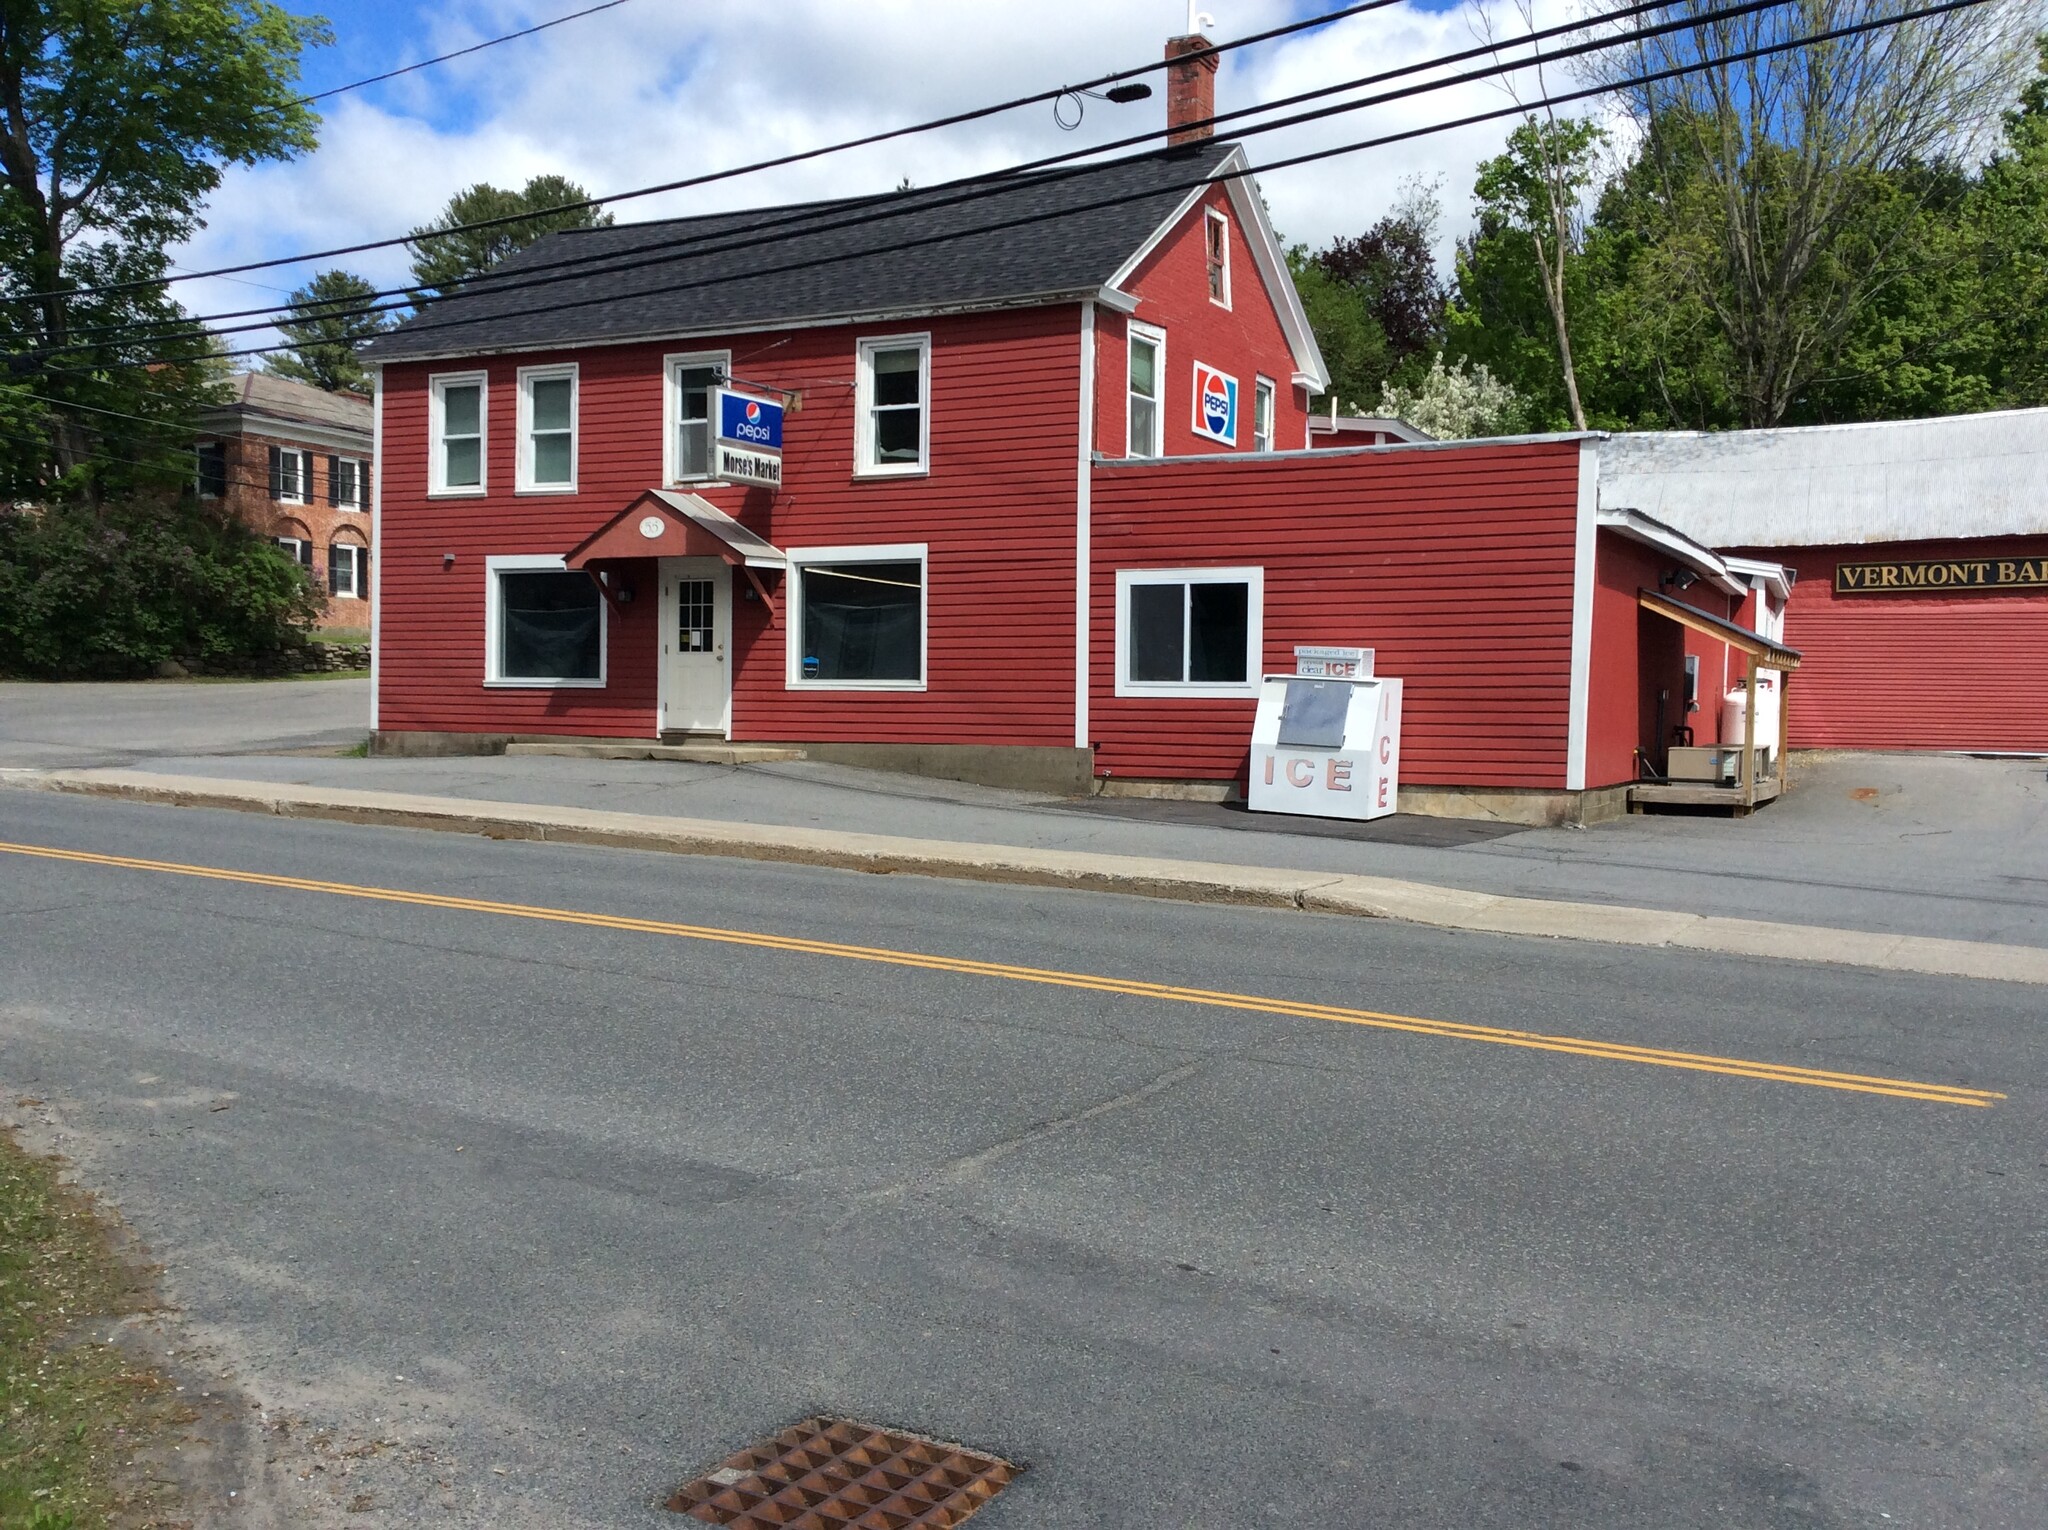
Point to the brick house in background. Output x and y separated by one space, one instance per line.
292 462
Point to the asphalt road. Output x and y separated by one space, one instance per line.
615 1201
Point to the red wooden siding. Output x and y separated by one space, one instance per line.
1916 671
1456 565
1244 340
997 511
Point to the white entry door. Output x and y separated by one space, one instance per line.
696 631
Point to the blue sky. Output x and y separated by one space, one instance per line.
658 89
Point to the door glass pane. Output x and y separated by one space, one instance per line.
550 626
459 410
863 621
1157 628
465 463
551 403
696 616
1219 617
551 458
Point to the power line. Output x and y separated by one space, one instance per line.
971 188
427 63
797 157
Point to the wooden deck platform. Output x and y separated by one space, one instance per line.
1646 794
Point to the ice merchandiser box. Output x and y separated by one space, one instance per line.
1327 746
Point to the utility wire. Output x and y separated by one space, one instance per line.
427 63
1314 156
797 157
978 186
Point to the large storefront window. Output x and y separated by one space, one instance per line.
547 625
859 618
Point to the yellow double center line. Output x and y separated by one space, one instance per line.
1539 1041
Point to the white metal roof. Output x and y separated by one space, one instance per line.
753 549
1965 475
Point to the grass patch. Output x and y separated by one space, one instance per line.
357 751
341 634
74 1410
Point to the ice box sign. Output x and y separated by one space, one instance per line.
746 446
1322 662
1326 747
1215 404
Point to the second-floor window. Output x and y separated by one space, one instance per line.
1148 367
346 482
547 428
213 469
893 427
1216 231
291 474
456 460
691 380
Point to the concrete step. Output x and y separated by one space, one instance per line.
690 754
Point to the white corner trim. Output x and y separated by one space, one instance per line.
376 540
1585 548
1084 552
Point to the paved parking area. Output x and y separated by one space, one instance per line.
118 723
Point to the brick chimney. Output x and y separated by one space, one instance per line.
1190 88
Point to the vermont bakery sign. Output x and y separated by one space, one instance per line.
1965 575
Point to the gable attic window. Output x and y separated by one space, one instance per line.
457 429
1147 367
547 429
1216 233
893 426
689 381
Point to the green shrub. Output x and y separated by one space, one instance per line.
110 593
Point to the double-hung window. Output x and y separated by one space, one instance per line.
893 387
345 480
348 571
544 625
1147 375
860 618
457 430
547 430
213 469
1189 631
1216 239
1262 414
291 475
690 381
298 549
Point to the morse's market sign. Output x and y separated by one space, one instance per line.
1968 576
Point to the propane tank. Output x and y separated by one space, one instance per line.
1766 713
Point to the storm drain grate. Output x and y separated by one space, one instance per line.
831 1474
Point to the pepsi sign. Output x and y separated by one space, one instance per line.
746 439
1215 404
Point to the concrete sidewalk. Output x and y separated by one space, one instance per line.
1157 877
1897 845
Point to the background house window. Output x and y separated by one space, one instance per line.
546 624
345 480
1148 365
348 571
291 474
213 470
860 617
1189 632
298 550
1262 415
1217 229
547 426
893 418
458 431
690 386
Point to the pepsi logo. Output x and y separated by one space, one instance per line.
753 411
1216 403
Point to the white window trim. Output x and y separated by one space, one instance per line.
292 545
361 502
671 403
1157 337
883 552
1254 580
199 469
1216 216
438 385
494 675
302 477
864 399
1264 391
523 481
355 553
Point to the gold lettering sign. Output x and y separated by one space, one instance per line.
1942 576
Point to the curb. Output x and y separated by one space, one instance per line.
1139 876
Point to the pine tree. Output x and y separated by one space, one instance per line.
325 330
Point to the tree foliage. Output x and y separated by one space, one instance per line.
1375 300
325 329
1457 403
442 261
117 120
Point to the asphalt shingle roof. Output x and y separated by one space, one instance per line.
1034 235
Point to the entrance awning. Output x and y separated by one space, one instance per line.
1760 648
663 523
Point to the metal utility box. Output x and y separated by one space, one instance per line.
1326 748
1716 763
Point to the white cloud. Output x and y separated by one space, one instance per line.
653 92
